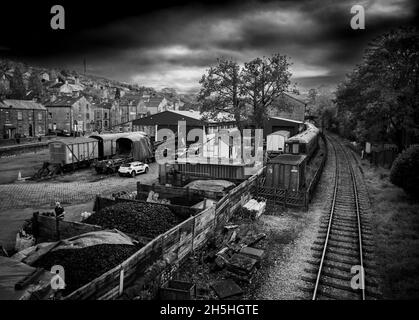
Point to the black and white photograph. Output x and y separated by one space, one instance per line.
208 156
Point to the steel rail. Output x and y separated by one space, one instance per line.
331 216
358 215
332 209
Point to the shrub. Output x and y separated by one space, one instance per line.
405 171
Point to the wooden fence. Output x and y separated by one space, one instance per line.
174 245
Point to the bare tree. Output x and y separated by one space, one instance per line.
264 80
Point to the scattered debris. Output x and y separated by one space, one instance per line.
242 267
226 289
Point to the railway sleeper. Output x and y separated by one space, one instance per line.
336 245
329 265
347 232
332 282
314 272
332 257
336 293
346 229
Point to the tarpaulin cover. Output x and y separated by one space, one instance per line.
11 272
141 148
211 185
32 254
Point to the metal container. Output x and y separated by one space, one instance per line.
275 142
178 290
286 172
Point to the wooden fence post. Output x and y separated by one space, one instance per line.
285 198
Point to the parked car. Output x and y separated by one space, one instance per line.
62 133
132 169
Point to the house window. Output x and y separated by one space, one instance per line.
87 116
19 115
30 116
40 116
106 115
7 116
67 116
49 115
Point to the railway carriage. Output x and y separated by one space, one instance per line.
305 142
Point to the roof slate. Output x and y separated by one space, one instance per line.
23 104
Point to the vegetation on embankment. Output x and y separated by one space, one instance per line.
396 223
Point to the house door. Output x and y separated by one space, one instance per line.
10 133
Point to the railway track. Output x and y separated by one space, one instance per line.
339 268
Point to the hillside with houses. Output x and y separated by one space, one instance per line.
38 101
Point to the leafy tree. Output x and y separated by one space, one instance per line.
321 106
405 171
17 87
4 88
264 81
378 101
220 91
35 85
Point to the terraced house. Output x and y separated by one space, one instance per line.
22 118
73 114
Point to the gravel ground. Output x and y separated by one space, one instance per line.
281 280
290 234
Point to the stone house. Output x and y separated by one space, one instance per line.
24 118
74 114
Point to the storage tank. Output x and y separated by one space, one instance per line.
286 171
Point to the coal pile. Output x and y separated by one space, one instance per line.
84 265
136 218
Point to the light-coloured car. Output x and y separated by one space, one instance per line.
133 168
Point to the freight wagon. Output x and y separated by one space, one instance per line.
74 152
286 171
305 143
81 151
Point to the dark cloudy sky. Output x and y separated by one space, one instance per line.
171 45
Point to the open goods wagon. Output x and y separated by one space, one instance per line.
305 142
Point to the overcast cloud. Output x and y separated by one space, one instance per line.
172 47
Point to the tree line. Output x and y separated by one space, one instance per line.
378 101
15 88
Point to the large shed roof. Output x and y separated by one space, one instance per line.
23 104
